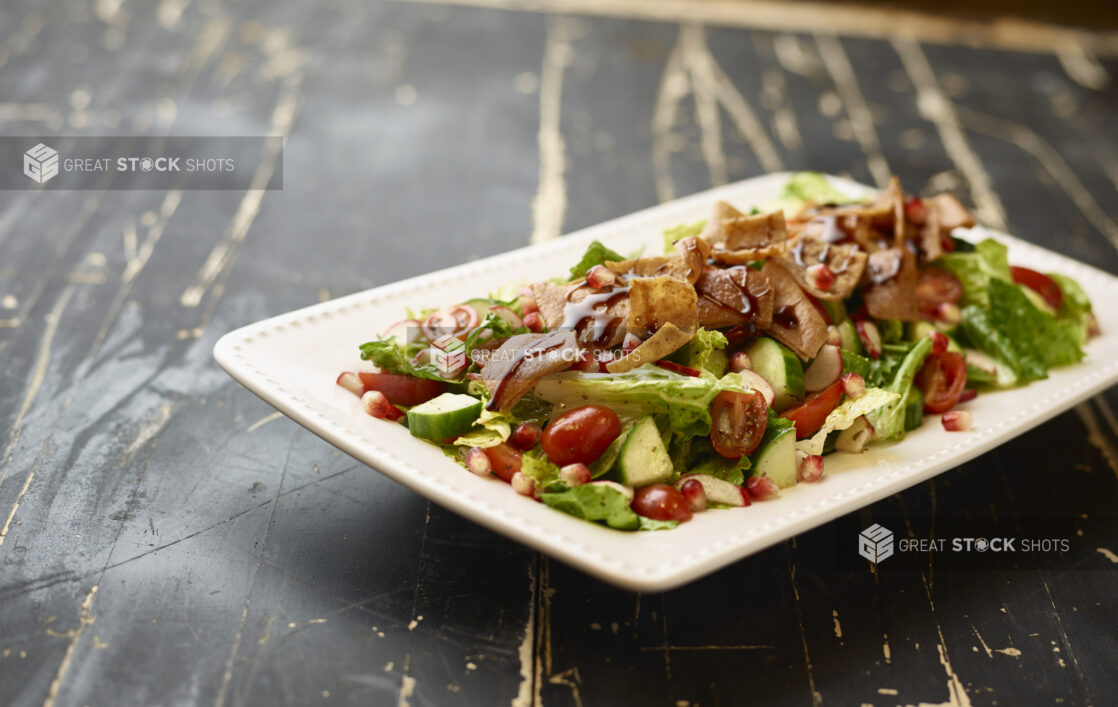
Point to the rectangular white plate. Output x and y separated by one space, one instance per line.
291 361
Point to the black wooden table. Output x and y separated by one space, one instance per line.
167 539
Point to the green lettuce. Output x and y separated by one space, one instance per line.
388 355
492 428
844 416
888 420
595 502
683 230
535 464
705 352
684 400
814 187
1076 307
596 254
975 270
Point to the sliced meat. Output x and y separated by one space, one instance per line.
845 261
667 339
891 292
656 301
796 323
521 361
734 296
597 316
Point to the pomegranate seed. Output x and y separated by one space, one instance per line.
696 496
477 461
939 341
575 474
834 336
528 302
853 384
810 468
968 395
523 484
957 421
532 321
821 276
761 487
600 276
949 314
526 435
870 336
740 362
630 343
351 382
914 210
746 499
377 405
586 362
604 358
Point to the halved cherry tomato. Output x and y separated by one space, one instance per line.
661 502
506 461
810 416
738 422
580 435
914 210
456 321
942 380
1039 283
402 390
934 287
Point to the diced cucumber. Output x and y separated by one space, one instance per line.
605 463
836 310
780 368
776 458
449 415
643 460
481 306
850 340
919 329
913 409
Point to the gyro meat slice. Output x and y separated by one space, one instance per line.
667 339
734 296
656 301
891 292
514 368
796 323
828 271
597 317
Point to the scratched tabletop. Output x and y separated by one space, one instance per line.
168 539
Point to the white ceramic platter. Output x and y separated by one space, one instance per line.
292 361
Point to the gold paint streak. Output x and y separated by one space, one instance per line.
221 257
743 116
740 647
85 619
935 107
1049 158
263 421
674 86
855 20
698 61
543 630
838 626
15 507
407 689
861 120
785 127
149 430
1108 554
885 649
562 679
524 692
1083 68
550 204
816 697
38 375
227 676
1096 437
985 647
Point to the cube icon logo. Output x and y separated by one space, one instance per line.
40 163
449 353
875 543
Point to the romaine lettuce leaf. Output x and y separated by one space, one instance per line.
704 352
844 416
492 428
596 254
387 355
888 420
595 502
685 400
988 261
1076 306
814 187
683 230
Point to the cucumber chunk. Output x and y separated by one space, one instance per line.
643 459
850 340
449 415
777 457
781 369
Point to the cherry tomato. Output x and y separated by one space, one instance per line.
1039 283
456 321
914 210
580 435
738 422
811 415
934 287
942 380
403 390
661 502
506 461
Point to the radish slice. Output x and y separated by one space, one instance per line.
424 356
749 379
406 331
824 370
716 490
510 317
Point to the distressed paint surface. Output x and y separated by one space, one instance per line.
167 540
